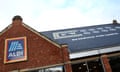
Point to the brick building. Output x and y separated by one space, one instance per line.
86 49
41 53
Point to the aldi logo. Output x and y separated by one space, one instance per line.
15 50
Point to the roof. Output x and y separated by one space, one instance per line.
87 38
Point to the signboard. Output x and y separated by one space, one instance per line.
15 50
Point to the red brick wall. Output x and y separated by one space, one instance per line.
40 51
66 59
106 64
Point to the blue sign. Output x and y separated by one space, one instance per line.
15 50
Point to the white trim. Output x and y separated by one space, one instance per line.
83 54
48 66
94 52
39 34
34 31
4 30
14 71
111 49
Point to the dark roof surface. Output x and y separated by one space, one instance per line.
87 38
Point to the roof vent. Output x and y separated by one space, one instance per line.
115 22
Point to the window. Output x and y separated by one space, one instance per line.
79 67
52 69
95 66
88 66
115 63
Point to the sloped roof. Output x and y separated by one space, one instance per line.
87 38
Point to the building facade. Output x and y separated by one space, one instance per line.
86 49
23 49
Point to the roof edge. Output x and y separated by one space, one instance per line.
64 45
4 30
39 34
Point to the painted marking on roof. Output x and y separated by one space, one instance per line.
84 32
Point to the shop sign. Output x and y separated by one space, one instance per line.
15 50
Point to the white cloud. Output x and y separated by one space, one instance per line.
55 3
45 15
59 19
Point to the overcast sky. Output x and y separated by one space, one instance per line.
44 15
